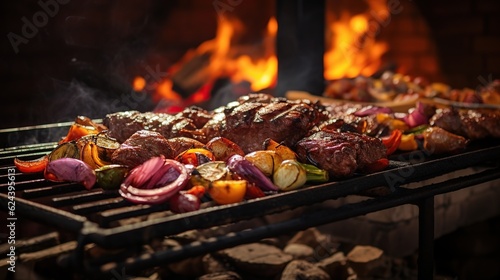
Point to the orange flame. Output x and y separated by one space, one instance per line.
352 50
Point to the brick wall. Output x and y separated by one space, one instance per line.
467 36
105 43
412 49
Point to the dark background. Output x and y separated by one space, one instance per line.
84 59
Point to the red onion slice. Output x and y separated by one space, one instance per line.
161 178
71 170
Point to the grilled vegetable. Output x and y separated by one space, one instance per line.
209 172
109 177
86 121
284 151
76 131
31 166
184 202
195 156
416 116
408 143
290 175
154 181
315 174
65 150
227 191
391 122
392 141
198 191
90 155
253 192
106 146
376 166
70 170
223 148
267 161
250 172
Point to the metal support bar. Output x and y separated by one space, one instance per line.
426 238
423 197
300 46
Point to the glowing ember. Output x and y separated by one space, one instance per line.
139 83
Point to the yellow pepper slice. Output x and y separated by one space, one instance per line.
408 143
391 122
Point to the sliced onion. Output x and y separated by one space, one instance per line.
184 202
416 116
70 170
248 171
372 110
154 181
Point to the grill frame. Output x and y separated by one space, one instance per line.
404 168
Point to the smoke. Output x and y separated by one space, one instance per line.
74 98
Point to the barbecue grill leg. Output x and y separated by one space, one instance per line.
426 239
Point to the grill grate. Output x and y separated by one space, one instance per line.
103 218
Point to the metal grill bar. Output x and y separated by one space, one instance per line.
423 196
104 218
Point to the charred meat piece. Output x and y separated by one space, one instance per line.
259 98
470 124
198 115
180 144
249 124
340 153
140 147
123 124
439 141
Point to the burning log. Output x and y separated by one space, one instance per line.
192 75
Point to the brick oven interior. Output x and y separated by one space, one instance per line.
86 54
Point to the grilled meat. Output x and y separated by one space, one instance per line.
249 123
180 144
471 124
439 141
123 124
340 153
198 115
140 147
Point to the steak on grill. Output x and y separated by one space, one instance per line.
250 123
340 153
122 125
247 122
471 124
140 147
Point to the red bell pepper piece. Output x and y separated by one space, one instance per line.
31 166
377 166
197 190
253 191
195 156
392 141
77 131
